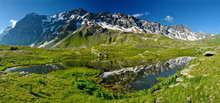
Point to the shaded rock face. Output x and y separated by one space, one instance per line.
25 32
5 32
143 77
41 30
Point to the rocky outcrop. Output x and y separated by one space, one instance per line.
42 30
181 32
209 53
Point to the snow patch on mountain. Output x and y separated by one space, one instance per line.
134 29
13 23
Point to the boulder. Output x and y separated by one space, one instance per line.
209 53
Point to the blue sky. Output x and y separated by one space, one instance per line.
200 15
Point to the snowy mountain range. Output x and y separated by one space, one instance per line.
42 30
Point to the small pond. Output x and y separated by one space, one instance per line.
38 69
143 77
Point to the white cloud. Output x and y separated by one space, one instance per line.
138 15
141 14
169 18
13 23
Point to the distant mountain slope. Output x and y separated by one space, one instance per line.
26 31
95 35
45 31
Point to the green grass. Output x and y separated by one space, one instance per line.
84 39
203 87
66 86
86 56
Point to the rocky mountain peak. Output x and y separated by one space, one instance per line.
41 29
78 11
32 14
181 28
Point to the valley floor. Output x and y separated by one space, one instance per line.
79 81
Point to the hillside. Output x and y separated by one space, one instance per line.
87 56
82 57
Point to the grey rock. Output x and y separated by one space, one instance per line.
209 53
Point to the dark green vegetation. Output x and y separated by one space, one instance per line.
85 56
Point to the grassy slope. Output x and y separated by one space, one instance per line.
118 49
76 84
201 83
201 87
84 39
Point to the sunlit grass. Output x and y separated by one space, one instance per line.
86 58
